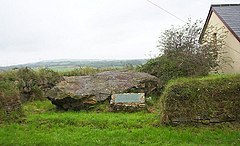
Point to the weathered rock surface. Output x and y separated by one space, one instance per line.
80 92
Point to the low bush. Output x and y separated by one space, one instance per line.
168 67
27 80
206 100
32 84
10 105
48 78
10 75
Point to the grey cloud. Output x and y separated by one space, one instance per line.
81 29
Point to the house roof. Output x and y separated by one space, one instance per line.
229 14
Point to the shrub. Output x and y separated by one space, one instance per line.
32 84
183 56
28 80
201 100
23 84
168 67
10 105
48 78
10 75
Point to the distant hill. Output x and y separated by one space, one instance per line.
55 64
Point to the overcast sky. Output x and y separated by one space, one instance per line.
36 30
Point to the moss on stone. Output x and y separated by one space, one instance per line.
197 100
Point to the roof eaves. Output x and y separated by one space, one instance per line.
224 22
209 16
205 24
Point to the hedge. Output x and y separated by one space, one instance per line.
212 99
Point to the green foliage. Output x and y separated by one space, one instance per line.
201 100
28 84
181 38
168 67
8 88
48 78
10 75
10 106
32 84
183 56
162 67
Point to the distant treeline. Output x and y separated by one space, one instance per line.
81 63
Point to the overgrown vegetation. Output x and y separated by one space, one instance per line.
32 84
212 99
10 105
26 84
28 80
183 56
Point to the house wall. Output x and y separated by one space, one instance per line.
233 44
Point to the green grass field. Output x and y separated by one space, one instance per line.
45 126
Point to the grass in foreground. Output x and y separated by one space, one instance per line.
45 126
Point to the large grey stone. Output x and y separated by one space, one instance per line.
80 92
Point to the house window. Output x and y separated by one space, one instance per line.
215 38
